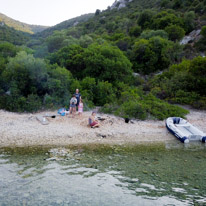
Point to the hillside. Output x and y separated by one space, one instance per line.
126 59
17 25
13 36
64 25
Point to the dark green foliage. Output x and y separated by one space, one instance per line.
147 34
152 55
13 36
29 83
55 42
105 62
201 44
184 83
142 107
175 32
8 50
104 93
70 57
203 32
145 18
164 19
189 21
135 31
97 12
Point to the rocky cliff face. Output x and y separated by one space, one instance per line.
118 4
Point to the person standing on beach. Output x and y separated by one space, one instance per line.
73 103
80 108
78 97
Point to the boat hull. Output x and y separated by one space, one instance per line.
184 131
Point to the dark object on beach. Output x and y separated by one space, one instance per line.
52 116
127 120
101 118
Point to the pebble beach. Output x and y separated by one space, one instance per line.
20 130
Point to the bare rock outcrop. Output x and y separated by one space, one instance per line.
118 4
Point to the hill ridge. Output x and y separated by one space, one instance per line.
21 26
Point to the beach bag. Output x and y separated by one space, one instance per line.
62 111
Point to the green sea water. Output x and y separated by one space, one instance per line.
100 175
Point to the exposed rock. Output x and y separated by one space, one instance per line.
193 36
118 4
202 54
75 23
2 23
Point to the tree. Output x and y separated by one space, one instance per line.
70 57
151 55
97 12
189 21
28 73
8 50
147 34
203 32
55 41
135 31
198 71
175 32
106 63
104 93
164 19
31 82
145 18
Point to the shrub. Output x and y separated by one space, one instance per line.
175 32
147 34
135 31
132 109
104 93
151 55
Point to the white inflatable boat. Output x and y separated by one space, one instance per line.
183 130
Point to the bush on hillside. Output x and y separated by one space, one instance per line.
30 84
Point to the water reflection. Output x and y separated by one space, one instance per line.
89 175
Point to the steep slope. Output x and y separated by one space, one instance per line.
17 25
13 36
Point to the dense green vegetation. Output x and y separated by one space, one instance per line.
128 61
13 36
184 83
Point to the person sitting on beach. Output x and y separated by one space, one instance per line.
80 107
92 121
73 103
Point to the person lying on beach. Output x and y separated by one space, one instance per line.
73 103
92 121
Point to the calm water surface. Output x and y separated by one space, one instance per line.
171 174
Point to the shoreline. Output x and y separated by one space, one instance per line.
24 130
